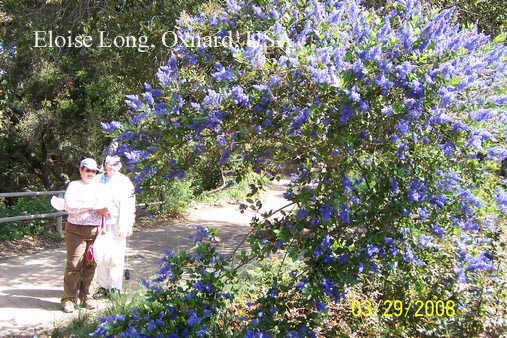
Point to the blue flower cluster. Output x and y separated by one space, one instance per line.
182 280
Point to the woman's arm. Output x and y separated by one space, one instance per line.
127 209
74 201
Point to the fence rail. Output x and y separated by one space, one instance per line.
31 193
57 215
29 217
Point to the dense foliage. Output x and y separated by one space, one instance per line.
489 16
26 206
394 127
52 98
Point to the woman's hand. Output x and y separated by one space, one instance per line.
103 212
125 230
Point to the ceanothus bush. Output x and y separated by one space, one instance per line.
392 129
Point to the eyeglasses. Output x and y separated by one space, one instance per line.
86 170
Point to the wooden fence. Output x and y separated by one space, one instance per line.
57 215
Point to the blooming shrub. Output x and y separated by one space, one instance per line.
187 298
395 126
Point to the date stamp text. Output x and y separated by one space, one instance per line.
399 308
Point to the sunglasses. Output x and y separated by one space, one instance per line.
86 170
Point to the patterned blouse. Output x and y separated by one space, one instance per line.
80 196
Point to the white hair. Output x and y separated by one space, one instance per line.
113 161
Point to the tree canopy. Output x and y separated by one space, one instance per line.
53 98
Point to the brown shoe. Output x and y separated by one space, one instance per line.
88 304
68 306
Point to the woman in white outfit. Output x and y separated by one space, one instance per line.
118 226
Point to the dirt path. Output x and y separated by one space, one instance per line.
31 286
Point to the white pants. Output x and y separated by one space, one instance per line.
111 277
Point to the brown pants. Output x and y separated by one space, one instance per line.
79 272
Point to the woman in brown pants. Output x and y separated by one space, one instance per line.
85 203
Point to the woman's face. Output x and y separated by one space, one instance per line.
87 175
111 170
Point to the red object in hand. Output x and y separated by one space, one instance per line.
89 253
102 225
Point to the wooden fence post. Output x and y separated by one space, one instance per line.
59 228
59 220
